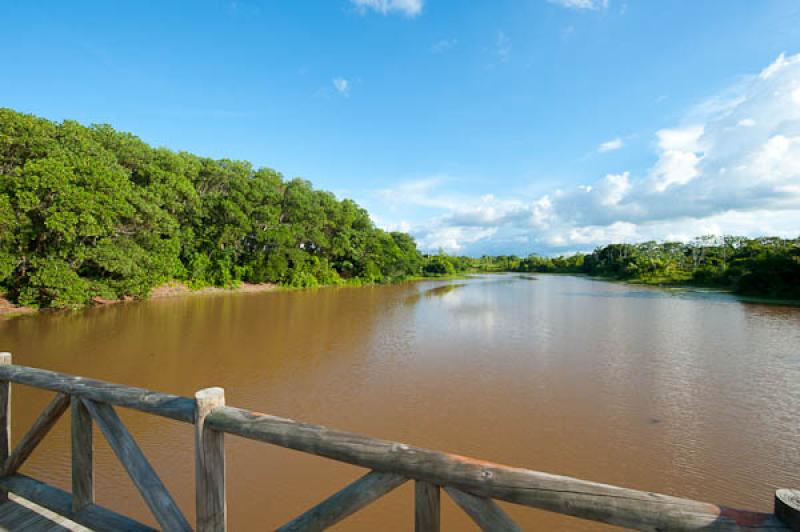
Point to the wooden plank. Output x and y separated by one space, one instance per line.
5 419
485 512
209 464
427 513
36 433
59 501
787 507
148 483
82 456
161 404
346 502
18 517
45 520
579 498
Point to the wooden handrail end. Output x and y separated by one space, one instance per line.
787 507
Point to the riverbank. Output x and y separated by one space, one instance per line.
689 285
178 289
175 289
9 310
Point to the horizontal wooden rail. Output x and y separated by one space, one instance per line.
579 498
473 484
160 404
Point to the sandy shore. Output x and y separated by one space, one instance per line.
173 289
10 310
178 289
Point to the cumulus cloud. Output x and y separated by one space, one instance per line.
410 8
581 4
342 86
736 171
611 145
679 157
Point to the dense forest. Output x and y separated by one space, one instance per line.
766 266
90 212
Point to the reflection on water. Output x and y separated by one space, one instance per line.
442 290
690 393
436 291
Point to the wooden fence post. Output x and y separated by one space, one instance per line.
209 464
426 504
5 421
82 456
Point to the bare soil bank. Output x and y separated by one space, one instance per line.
173 289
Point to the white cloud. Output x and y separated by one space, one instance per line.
613 188
779 64
410 8
680 139
677 163
611 145
452 239
342 86
732 167
581 4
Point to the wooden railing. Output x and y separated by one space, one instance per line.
473 485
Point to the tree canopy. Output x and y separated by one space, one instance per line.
92 212
766 266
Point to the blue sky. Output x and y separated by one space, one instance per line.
479 126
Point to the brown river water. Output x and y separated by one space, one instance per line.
687 393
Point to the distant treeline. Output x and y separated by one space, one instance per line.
767 266
92 212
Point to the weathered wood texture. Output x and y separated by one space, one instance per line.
20 514
153 491
52 412
473 483
5 418
82 456
209 464
60 502
579 498
787 507
161 404
427 512
485 512
348 501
